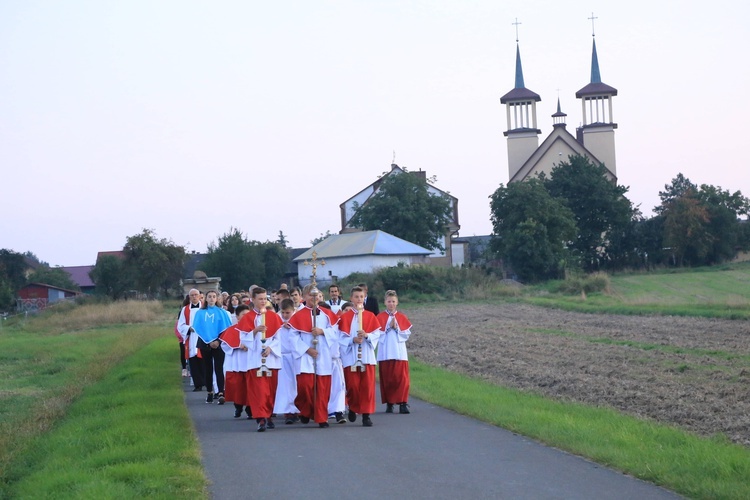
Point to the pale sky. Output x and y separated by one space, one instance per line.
192 117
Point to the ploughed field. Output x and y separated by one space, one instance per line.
691 372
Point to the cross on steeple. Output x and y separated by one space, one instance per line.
592 18
516 25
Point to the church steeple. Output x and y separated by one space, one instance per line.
558 119
598 131
520 112
596 77
519 69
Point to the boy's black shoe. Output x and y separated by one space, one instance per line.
339 417
238 412
270 424
323 425
210 398
261 424
221 398
304 420
366 422
351 416
403 408
389 408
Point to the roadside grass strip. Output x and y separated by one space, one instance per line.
43 373
667 456
127 436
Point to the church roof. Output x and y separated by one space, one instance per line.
520 92
596 87
363 243
558 135
559 110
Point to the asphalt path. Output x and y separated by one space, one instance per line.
431 453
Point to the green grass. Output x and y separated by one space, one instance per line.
714 292
115 442
667 456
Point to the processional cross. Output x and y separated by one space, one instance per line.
314 263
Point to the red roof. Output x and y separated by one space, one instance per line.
80 275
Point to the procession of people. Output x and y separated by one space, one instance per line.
294 356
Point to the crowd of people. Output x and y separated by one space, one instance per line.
296 354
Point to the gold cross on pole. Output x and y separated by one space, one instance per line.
314 263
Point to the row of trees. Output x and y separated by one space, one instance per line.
577 219
156 266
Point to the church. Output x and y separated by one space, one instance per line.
595 138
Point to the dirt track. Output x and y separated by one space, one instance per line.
691 372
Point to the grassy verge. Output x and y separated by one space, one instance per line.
128 436
664 455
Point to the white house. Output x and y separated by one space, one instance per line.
363 251
437 257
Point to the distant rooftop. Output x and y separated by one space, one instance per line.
363 243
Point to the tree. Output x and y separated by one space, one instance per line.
679 186
12 277
282 239
234 260
111 277
155 264
320 238
54 276
531 230
724 209
276 260
702 224
12 269
403 207
603 215
241 262
686 228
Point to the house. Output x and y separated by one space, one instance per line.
595 139
437 256
37 296
80 276
340 255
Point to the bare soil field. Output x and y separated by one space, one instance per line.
690 372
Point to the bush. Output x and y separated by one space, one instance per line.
426 283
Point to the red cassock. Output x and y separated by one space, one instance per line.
261 391
302 322
394 373
235 389
360 386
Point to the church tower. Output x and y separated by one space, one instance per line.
522 133
597 134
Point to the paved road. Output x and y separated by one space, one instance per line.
431 453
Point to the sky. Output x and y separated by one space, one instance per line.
193 117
